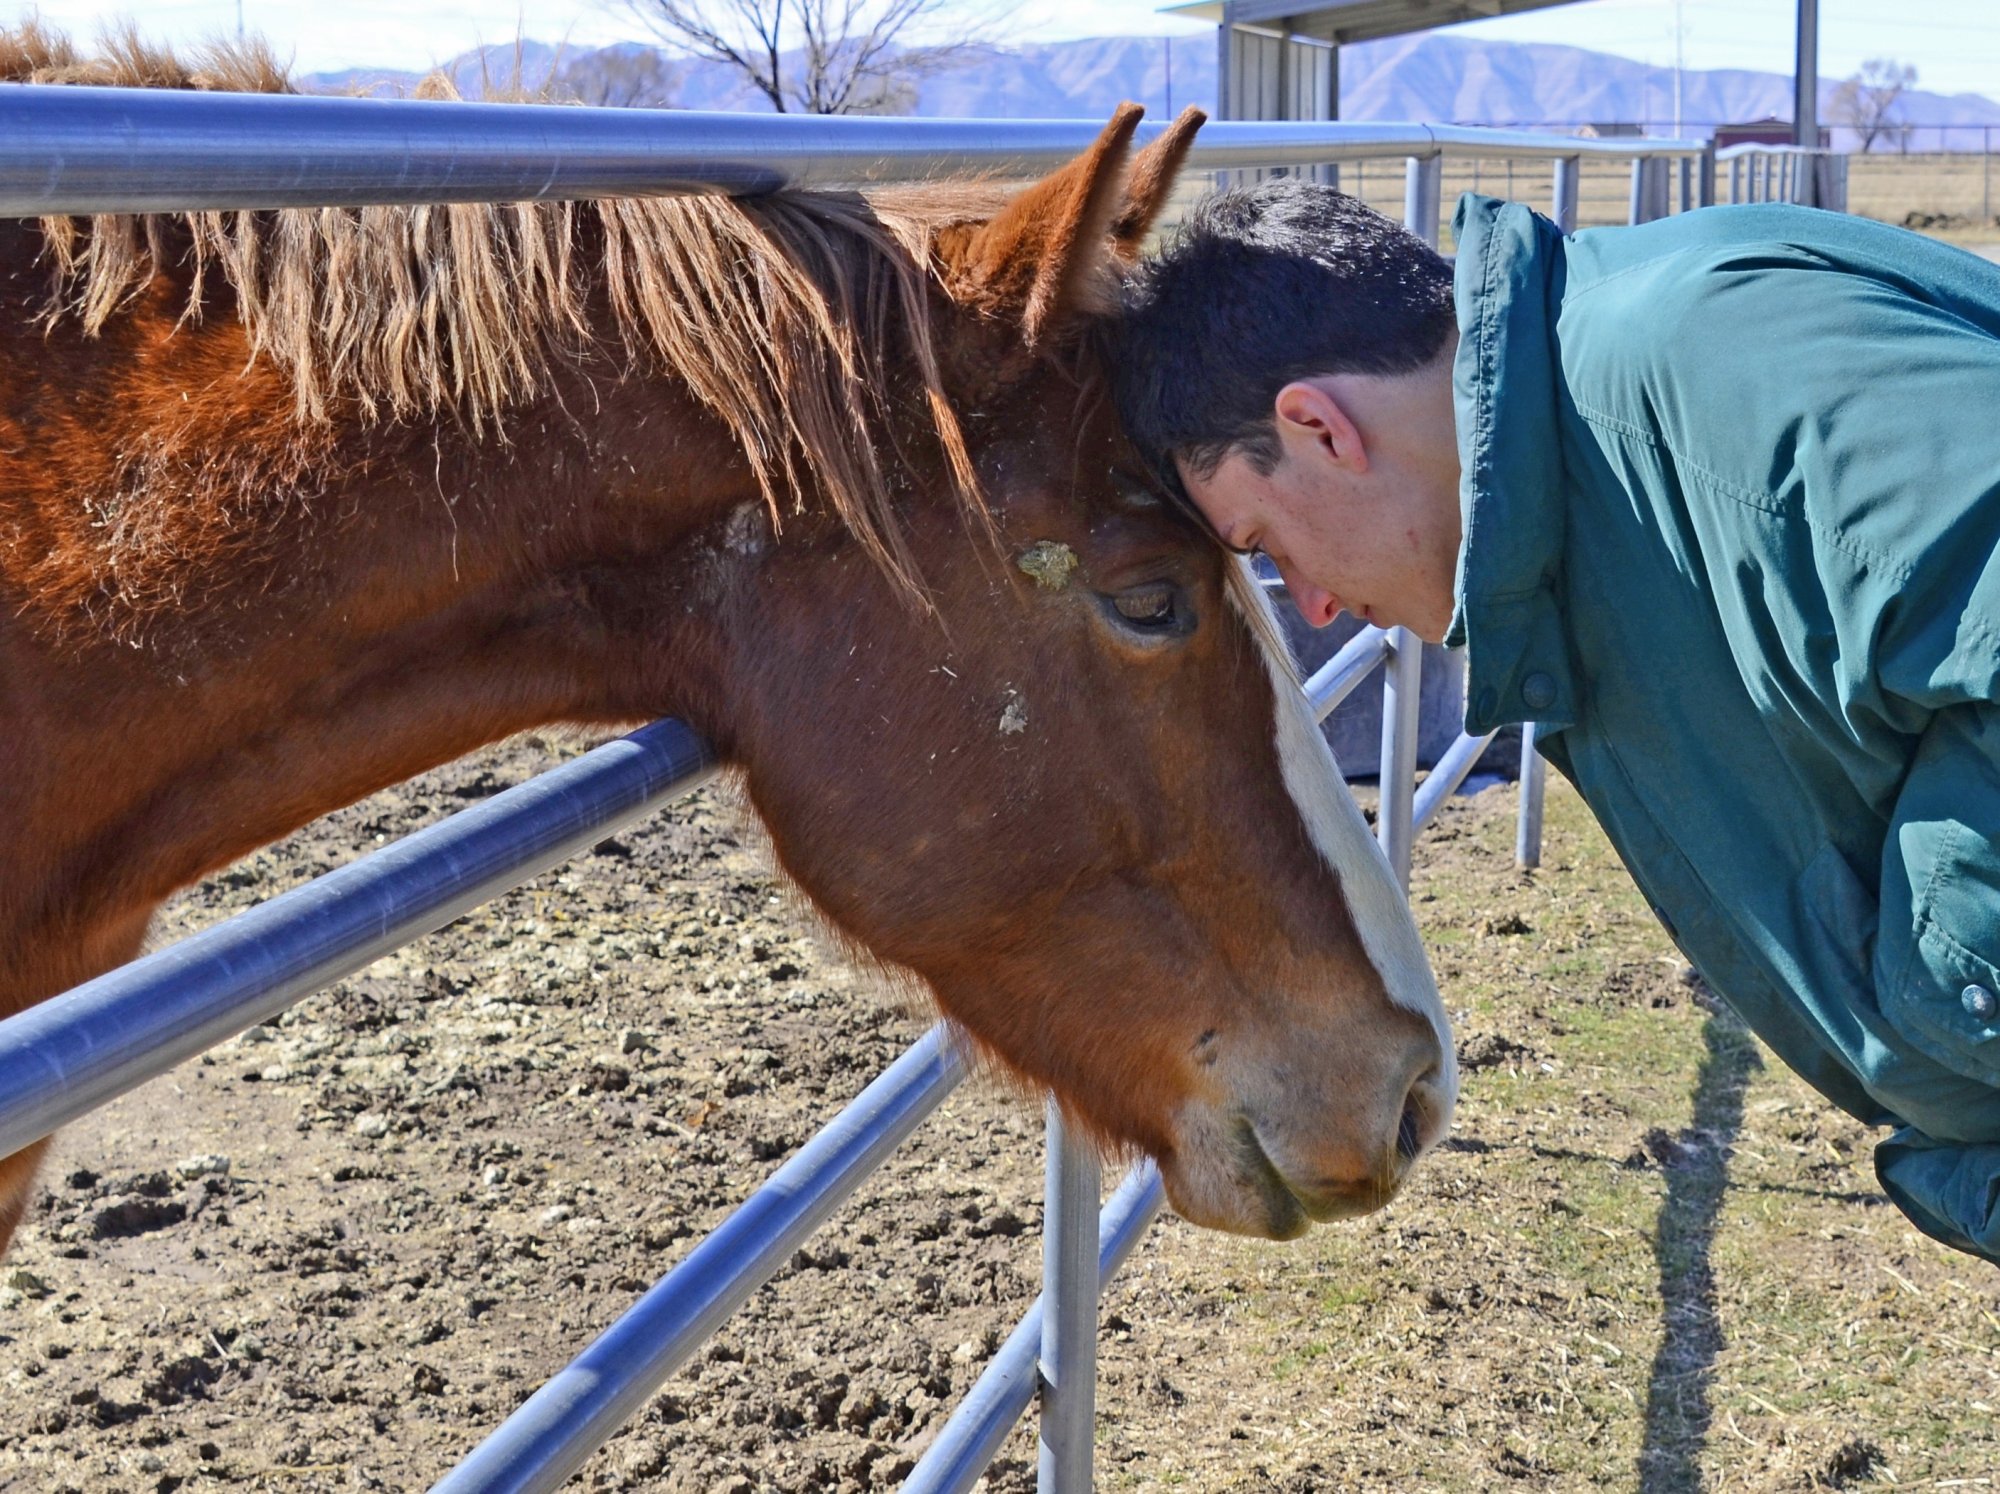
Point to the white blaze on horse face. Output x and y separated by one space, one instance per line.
1334 823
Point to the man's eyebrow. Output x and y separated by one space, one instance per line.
1227 539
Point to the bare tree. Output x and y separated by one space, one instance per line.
1865 101
821 56
622 77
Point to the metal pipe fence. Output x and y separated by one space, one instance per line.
574 1414
101 150
1784 173
74 1052
85 150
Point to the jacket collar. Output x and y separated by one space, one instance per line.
1508 289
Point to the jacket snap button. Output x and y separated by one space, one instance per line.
1979 1002
1538 691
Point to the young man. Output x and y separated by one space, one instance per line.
1714 501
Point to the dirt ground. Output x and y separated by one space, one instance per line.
335 1252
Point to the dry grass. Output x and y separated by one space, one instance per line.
1650 1258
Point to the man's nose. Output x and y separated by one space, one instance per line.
1316 604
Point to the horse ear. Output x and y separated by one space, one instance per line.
1043 257
1154 171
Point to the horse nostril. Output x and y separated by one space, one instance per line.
1409 1130
1415 1121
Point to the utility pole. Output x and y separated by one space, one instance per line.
1679 60
1805 100
1805 78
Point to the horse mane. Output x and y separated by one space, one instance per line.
792 317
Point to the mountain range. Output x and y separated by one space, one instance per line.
1425 76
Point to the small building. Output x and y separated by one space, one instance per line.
1770 130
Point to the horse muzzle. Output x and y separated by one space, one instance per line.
1258 1170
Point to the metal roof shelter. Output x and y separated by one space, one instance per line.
1280 59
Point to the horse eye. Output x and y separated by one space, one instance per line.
1147 606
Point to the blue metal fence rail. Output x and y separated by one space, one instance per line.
81 150
560 1425
74 1052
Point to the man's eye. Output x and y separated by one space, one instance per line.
1148 606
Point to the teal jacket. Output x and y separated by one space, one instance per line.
1732 539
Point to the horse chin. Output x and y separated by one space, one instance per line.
1234 1202
1221 1177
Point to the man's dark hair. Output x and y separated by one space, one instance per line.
1258 287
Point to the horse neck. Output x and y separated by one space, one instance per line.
199 684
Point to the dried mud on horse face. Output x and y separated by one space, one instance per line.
412 1199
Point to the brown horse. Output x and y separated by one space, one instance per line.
294 505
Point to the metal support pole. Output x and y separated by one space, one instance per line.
1069 1323
1534 785
1401 687
1635 199
1687 185
1287 79
1423 178
959 1457
1402 683
1225 61
1568 176
1805 78
1707 193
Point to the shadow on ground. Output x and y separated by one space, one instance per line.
1696 1163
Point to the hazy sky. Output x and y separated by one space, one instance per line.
1954 44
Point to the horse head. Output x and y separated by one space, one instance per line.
1075 790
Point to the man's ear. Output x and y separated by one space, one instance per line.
1154 171
1311 421
1044 258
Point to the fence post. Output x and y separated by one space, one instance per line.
1534 782
1069 1321
1403 679
1707 193
1563 206
1423 179
1402 686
